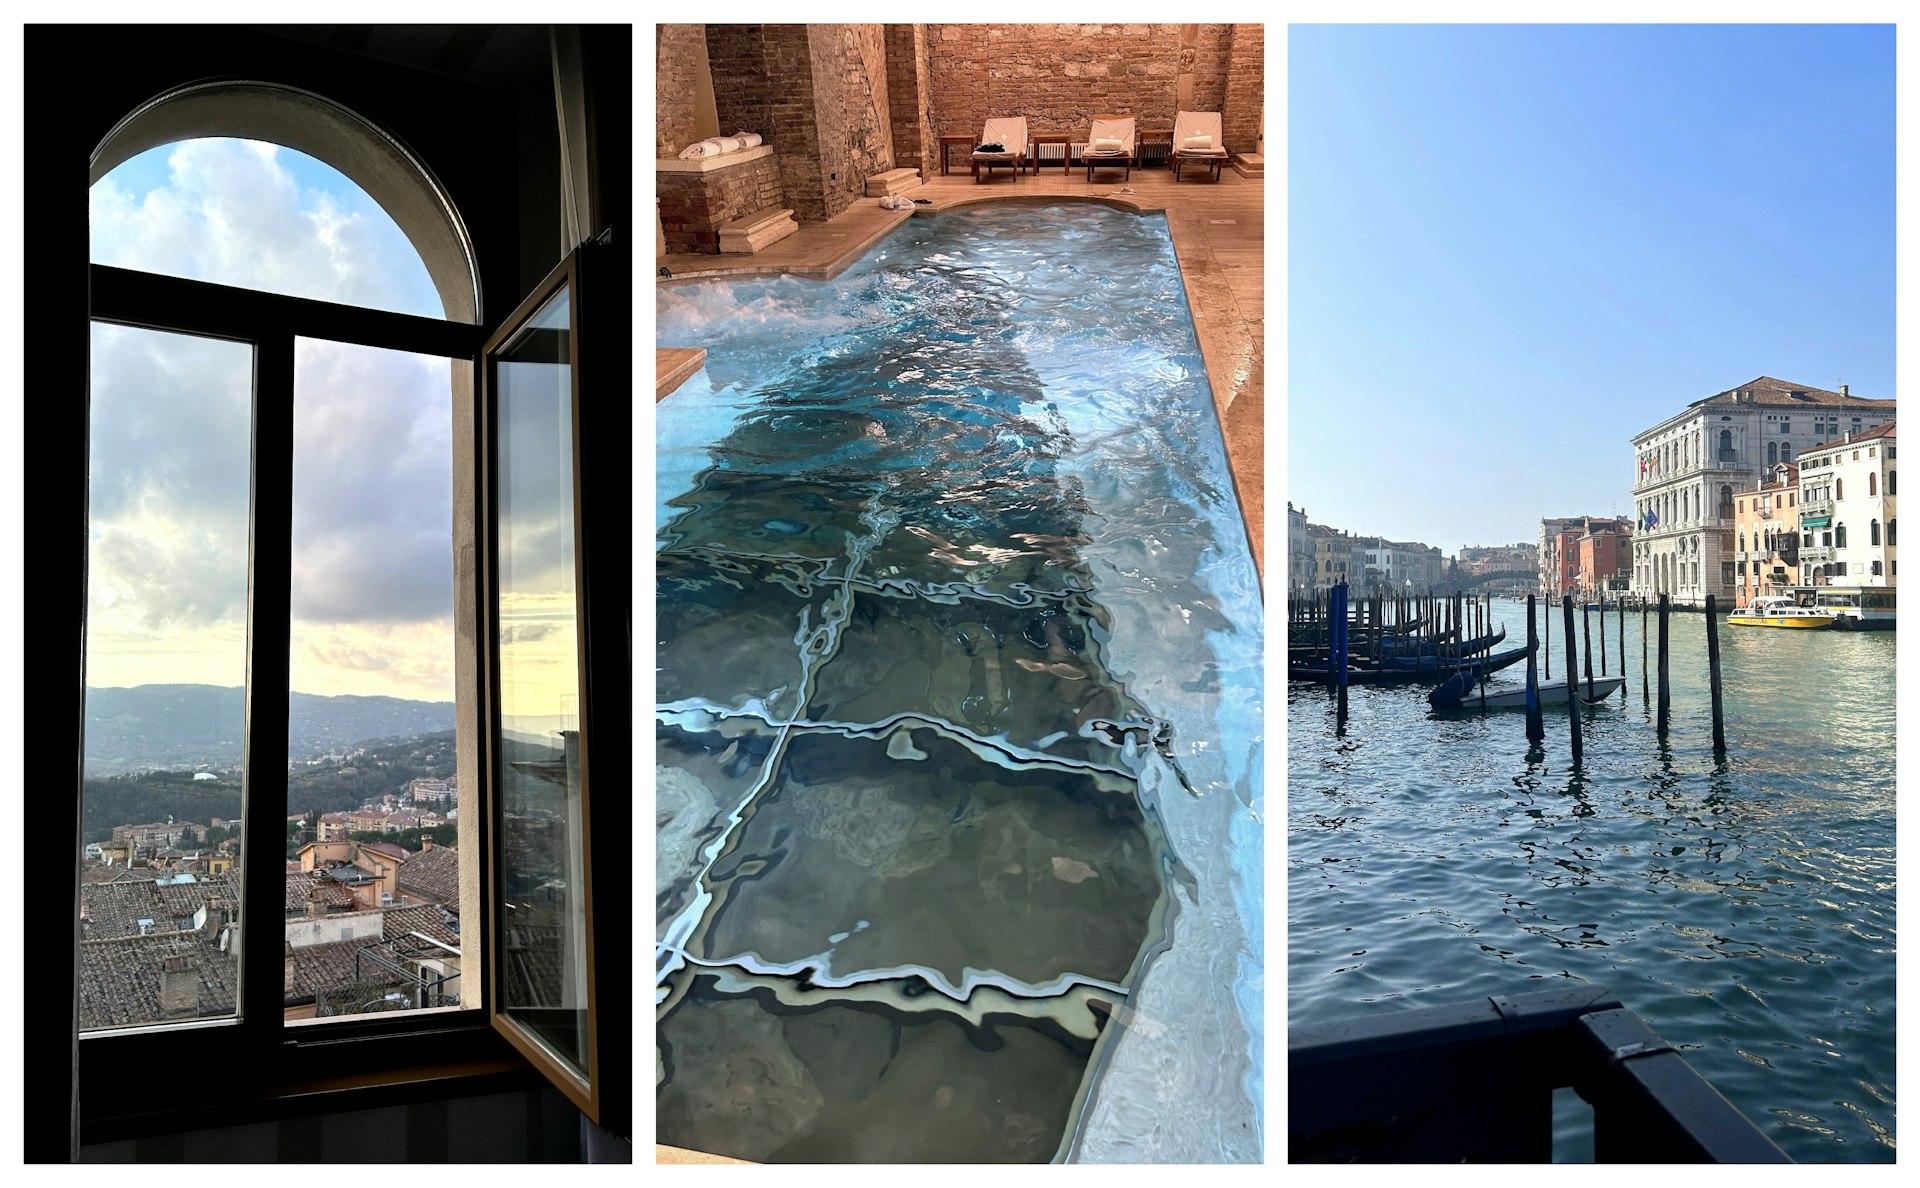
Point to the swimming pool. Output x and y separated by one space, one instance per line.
958 711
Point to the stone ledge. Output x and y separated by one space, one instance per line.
709 164
753 232
893 181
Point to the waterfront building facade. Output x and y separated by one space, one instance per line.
1766 535
1848 499
1688 467
1299 551
1332 558
1561 566
1605 558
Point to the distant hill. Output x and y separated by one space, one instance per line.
184 725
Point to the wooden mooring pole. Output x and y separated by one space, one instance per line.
1586 637
1536 729
1713 679
1622 604
1660 712
1573 701
1645 700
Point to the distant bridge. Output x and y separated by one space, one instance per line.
1529 576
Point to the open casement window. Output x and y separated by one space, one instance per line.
560 747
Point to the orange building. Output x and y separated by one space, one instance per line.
1766 534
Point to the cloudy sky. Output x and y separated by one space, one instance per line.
372 564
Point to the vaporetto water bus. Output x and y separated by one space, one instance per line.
1854 608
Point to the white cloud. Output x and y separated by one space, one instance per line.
373 568
232 212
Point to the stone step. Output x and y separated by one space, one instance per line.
753 232
893 181
1250 164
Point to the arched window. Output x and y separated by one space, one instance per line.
1873 532
1839 536
1786 451
1726 499
1891 475
1742 546
1773 453
1872 486
1838 493
1726 445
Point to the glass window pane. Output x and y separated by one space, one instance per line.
542 926
258 216
373 826
166 663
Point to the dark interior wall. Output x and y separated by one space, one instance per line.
534 1126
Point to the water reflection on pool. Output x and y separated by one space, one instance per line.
958 722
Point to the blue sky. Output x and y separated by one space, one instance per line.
1513 247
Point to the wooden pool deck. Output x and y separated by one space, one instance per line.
1219 236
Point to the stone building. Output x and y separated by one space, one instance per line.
1688 467
1848 497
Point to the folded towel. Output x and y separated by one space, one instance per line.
728 144
704 148
1109 144
748 139
989 148
1199 142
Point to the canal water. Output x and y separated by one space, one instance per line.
1745 909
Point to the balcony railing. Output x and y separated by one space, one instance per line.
1816 504
1816 554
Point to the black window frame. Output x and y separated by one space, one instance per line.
279 1066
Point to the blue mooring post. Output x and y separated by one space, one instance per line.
1536 729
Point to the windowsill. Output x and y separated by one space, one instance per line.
371 1073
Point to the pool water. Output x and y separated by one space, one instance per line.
958 711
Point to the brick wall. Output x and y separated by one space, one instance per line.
678 56
818 94
914 146
742 92
1246 89
694 205
1060 76
853 113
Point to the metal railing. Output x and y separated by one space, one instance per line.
1475 1081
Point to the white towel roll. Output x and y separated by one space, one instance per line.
1199 142
703 148
727 144
748 139
1111 144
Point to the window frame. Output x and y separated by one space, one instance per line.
393 1057
597 281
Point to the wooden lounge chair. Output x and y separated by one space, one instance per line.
1113 128
1190 125
1010 133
